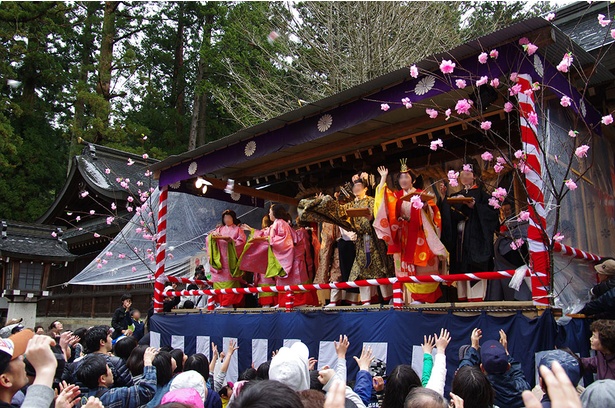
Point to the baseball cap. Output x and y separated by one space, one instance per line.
493 357
13 347
6 331
566 360
606 268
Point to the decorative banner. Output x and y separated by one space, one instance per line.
391 333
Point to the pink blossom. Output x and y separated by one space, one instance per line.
130 162
121 256
514 77
517 243
533 118
482 81
406 101
565 63
607 120
452 178
171 256
96 235
494 202
565 101
144 137
487 156
558 237
447 66
414 71
110 220
463 106
107 171
134 269
54 234
129 209
495 82
498 167
104 262
139 183
519 154
85 193
416 202
528 92
613 33
432 113
78 218
435 144
461 83
99 266
486 125
124 184
500 193
447 113
92 212
602 21
385 107
515 89
524 216
536 86
508 107
482 57
113 206
467 167
550 17
530 48
523 167
573 133
581 151
130 199
524 41
571 184
500 160
145 156
109 254
494 54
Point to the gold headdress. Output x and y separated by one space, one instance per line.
404 166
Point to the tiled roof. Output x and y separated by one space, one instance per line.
33 242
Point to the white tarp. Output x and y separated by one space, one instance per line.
130 257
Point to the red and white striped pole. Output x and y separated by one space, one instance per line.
536 235
161 243
398 295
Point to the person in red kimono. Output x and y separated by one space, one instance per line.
225 245
411 226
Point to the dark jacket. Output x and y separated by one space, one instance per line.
129 397
213 400
121 375
120 321
507 386
603 307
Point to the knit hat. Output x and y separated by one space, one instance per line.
493 357
186 396
606 268
377 368
190 379
599 394
290 367
566 360
13 347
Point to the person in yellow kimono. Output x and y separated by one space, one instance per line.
411 228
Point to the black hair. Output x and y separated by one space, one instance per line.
38 327
199 363
53 325
472 385
262 372
248 374
124 346
402 379
126 296
135 360
420 397
94 336
188 304
232 214
80 332
90 370
315 384
178 355
267 394
164 368
279 212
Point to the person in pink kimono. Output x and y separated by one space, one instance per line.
304 267
223 258
265 299
283 240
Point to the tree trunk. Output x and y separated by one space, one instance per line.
105 66
178 73
198 122
87 46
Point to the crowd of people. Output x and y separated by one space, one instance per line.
402 230
96 367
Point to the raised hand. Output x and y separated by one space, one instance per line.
68 396
341 346
456 401
428 344
561 391
312 363
443 340
504 340
477 334
378 383
367 356
336 397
